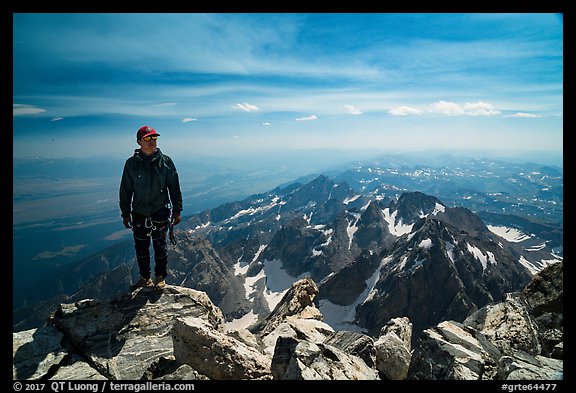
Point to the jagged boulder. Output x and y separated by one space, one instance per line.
304 360
215 354
295 316
304 347
127 333
302 329
545 297
393 349
298 301
507 325
523 366
499 341
453 351
116 338
357 344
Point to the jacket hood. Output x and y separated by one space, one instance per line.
155 156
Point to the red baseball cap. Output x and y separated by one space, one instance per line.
145 131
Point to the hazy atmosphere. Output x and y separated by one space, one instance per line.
224 84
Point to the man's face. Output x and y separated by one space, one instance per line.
148 144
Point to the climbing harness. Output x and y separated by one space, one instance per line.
149 224
153 225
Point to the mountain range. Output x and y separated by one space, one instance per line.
377 252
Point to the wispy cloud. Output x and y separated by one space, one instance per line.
523 114
57 119
447 108
352 110
405 111
307 118
23 109
480 109
245 107
468 109
188 119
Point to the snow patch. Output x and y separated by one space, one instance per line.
339 317
262 247
425 244
342 317
511 234
352 199
536 267
535 247
450 250
484 259
352 228
396 229
250 283
240 269
438 208
278 282
532 268
402 263
244 322
251 211
201 226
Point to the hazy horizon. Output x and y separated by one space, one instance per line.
225 84
334 156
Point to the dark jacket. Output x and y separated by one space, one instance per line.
149 184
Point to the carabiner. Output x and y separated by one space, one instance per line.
148 223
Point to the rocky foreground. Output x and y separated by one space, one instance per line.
179 334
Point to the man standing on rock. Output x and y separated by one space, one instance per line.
150 202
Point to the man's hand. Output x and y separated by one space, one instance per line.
175 218
127 222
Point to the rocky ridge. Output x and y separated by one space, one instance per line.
179 334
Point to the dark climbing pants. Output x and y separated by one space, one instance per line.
147 229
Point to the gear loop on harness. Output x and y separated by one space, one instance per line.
149 223
153 226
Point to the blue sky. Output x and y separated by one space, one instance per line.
217 84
